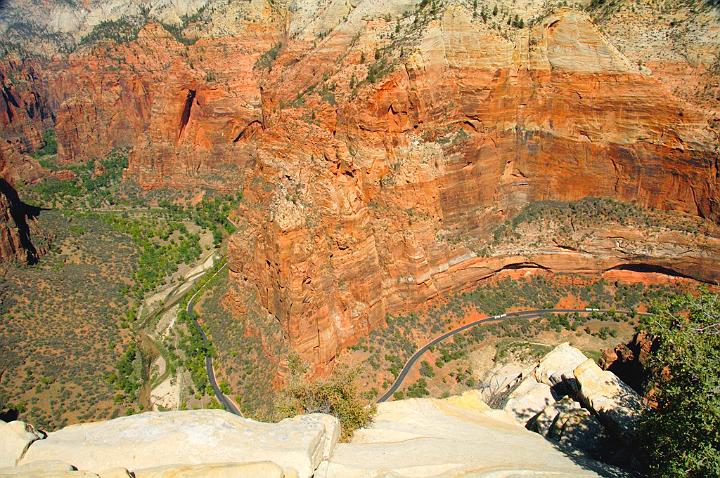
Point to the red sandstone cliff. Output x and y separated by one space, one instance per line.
378 147
373 205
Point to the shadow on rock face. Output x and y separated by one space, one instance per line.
21 213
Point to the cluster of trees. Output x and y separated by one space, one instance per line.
50 144
680 432
128 377
266 59
161 250
211 213
195 349
94 182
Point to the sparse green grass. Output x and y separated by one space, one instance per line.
266 59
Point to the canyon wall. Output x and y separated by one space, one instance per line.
386 199
379 145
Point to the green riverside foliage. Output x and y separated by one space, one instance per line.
682 435
191 343
211 213
195 352
164 245
129 377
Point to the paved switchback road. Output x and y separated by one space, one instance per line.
526 314
224 401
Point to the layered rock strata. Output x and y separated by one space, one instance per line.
379 144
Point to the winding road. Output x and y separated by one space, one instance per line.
526 314
225 401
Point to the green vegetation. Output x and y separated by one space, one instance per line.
389 348
129 376
50 145
588 212
93 183
681 434
426 369
379 69
211 213
418 389
528 350
247 361
266 59
190 341
122 30
67 376
338 396
164 245
195 350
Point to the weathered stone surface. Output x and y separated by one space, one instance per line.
15 438
116 472
616 404
217 470
579 429
188 438
544 421
47 469
559 362
499 380
389 199
528 399
459 436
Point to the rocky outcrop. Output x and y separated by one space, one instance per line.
15 438
528 399
628 361
458 436
583 408
47 469
18 228
391 198
218 470
189 438
579 429
615 403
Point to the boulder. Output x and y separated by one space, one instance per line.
558 364
457 436
194 437
616 404
543 422
264 469
579 429
528 399
15 438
